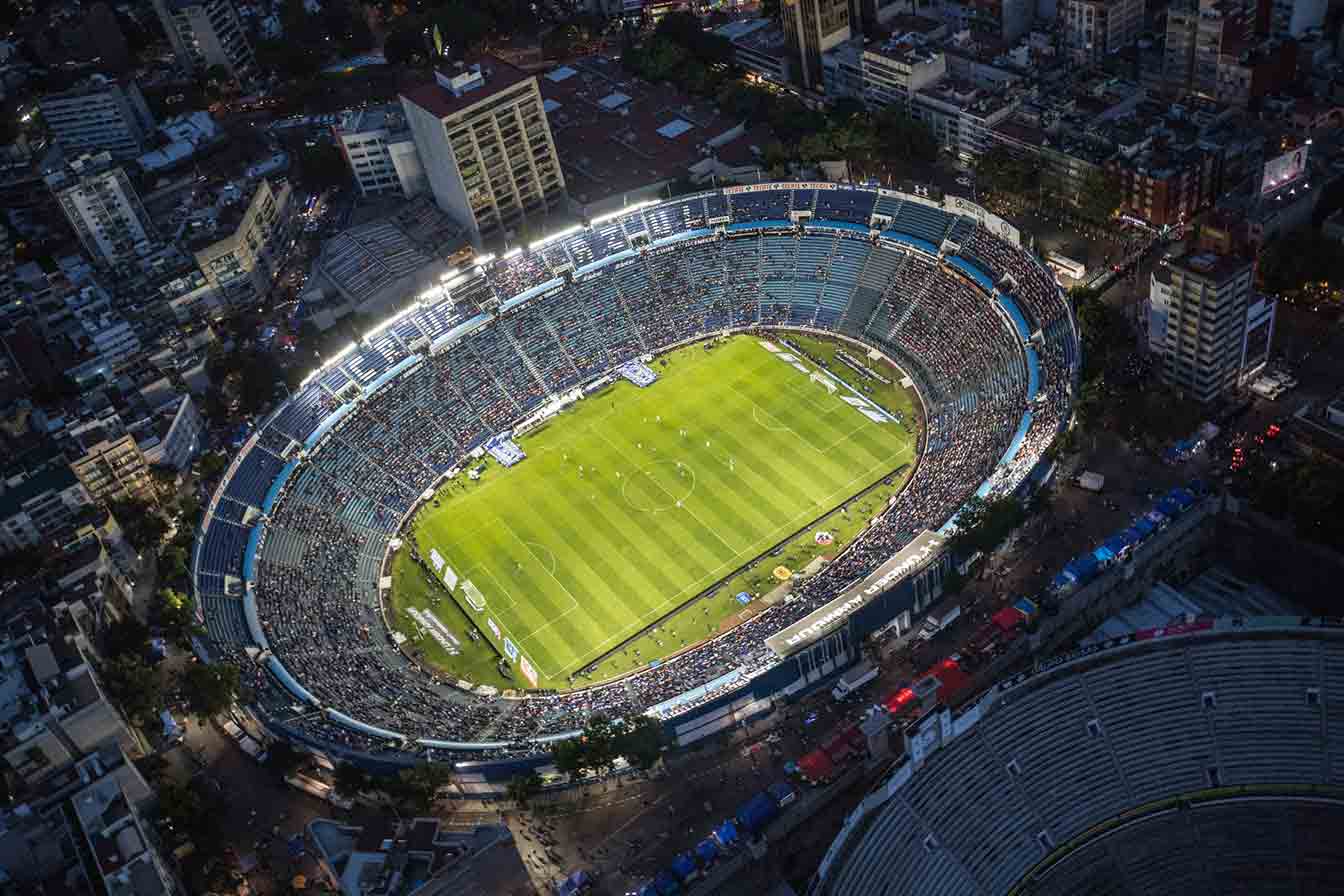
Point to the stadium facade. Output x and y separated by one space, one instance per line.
1201 757
292 557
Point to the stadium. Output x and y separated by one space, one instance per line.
631 330
1203 757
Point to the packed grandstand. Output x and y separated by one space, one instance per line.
1199 757
291 557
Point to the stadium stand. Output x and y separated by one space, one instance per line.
384 419
1115 772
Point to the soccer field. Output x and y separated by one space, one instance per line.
633 501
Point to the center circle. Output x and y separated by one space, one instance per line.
658 486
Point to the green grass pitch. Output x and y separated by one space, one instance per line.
634 501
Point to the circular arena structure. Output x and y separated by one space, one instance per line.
1203 758
292 562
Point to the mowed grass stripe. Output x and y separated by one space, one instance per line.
618 567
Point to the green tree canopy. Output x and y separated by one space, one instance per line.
174 612
210 688
982 524
135 686
1100 196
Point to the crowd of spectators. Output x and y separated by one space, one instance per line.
323 552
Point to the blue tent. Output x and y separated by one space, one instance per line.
1144 527
1103 554
707 850
726 834
574 883
757 812
667 884
1182 497
1169 508
1117 544
1061 581
1157 518
648 890
683 866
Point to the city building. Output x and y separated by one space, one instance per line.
1199 34
241 246
115 838
487 150
962 116
172 434
1268 67
759 48
99 115
205 33
102 206
1207 325
880 74
39 497
811 27
108 462
999 20
378 147
1092 29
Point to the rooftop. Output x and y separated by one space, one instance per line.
372 118
1210 265
615 133
441 98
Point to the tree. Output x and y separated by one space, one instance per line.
558 43
135 686
213 464
351 779
902 138
463 27
640 740
193 811
323 166
142 525
982 524
522 788
999 171
405 44
210 688
127 635
173 570
1100 195
420 785
175 613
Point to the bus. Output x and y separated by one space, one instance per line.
1063 264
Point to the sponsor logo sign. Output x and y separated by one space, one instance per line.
925 549
436 559
511 650
449 578
494 629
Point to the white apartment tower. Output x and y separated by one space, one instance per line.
486 149
99 114
204 33
102 206
1206 323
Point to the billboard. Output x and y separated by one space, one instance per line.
526 668
1284 169
924 550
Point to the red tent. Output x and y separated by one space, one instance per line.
816 766
951 680
900 701
1008 618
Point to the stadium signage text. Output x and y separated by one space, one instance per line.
814 626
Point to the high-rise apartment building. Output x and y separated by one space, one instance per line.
99 115
109 464
102 206
1206 323
1000 20
487 149
1199 34
811 27
242 252
204 33
1092 29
